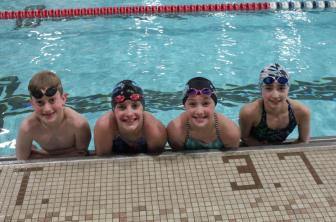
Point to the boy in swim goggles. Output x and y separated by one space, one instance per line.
49 92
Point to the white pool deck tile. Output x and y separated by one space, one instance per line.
265 185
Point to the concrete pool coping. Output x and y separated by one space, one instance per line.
91 155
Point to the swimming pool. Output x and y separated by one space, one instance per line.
161 52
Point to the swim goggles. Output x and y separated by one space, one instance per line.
121 98
205 92
49 92
271 79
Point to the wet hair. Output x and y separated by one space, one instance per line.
44 80
199 83
127 88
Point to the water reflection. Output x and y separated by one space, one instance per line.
231 95
30 22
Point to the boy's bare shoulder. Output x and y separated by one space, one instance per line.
30 123
74 118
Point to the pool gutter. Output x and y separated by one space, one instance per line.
91 154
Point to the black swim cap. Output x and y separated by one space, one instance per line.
199 83
127 88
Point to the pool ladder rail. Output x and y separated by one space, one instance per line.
51 13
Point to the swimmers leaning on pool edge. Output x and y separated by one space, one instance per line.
60 131
128 128
273 117
200 127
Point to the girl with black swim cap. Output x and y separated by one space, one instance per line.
273 117
200 127
128 128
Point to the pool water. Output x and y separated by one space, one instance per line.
161 53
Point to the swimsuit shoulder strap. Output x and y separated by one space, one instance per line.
217 130
187 137
143 125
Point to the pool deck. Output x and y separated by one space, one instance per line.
276 183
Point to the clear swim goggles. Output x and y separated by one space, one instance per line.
49 92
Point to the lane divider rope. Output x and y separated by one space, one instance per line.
165 9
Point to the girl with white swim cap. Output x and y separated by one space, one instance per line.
273 117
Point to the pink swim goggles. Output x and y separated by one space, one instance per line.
205 92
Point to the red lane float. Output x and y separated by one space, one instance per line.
109 10
77 12
64 12
25 14
90 11
148 9
103 11
71 12
135 9
229 7
5 15
128 9
235 7
179 8
132 10
18 14
248 6
96 11
11 14
192 8
167 9
45 13
255 6
31 14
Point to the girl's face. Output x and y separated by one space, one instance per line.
129 115
274 94
200 110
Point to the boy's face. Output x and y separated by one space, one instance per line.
49 109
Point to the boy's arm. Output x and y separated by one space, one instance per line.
156 132
24 142
304 126
175 140
25 150
245 124
82 137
